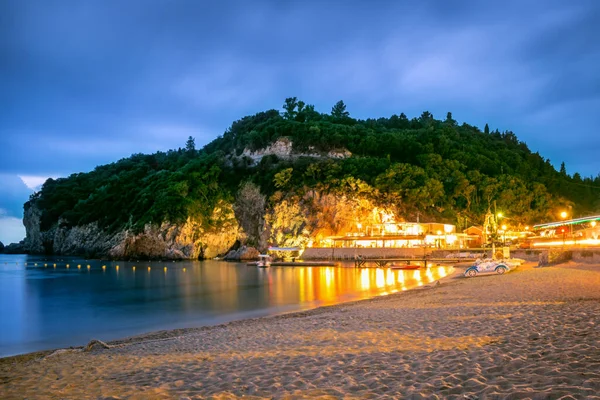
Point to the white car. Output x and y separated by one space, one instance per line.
489 266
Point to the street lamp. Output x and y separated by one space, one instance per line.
504 235
563 214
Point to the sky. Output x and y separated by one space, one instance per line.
85 83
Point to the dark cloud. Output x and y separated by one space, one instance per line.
86 83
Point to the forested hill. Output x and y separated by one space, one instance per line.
436 168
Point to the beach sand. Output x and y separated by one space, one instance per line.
533 333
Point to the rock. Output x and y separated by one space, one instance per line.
1 247
96 345
242 254
15 248
283 149
189 240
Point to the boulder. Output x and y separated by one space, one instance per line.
242 254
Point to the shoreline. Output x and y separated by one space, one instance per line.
534 332
175 332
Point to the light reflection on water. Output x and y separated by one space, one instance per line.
55 302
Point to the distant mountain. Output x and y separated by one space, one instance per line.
297 176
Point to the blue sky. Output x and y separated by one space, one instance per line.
85 83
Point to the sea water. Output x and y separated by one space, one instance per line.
55 302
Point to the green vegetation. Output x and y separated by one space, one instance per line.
434 168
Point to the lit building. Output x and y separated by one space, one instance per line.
400 235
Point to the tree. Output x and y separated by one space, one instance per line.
486 130
449 119
282 178
190 145
563 169
339 110
290 108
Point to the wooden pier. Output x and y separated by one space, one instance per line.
383 262
300 264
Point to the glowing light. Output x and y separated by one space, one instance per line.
439 232
134 268
503 227
429 275
67 265
183 269
33 264
359 225
328 276
563 214
527 228
104 267
379 278
148 269
451 239
88 267
417 276
448 228
45 265
400 277
593 223
594 242
55 265
389 279
79 266
500 215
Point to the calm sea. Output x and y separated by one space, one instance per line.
48 303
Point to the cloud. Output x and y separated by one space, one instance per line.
34 182
11 229
225 82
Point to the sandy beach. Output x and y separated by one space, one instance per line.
533 333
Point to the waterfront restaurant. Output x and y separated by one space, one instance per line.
401 235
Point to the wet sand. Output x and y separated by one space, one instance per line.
533 333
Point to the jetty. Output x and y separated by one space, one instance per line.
360 262
300 264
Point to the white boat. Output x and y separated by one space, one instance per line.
264 261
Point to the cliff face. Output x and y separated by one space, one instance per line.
191 240
283 148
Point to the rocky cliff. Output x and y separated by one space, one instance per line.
191 240
1 247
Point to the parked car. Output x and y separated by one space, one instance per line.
489 266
